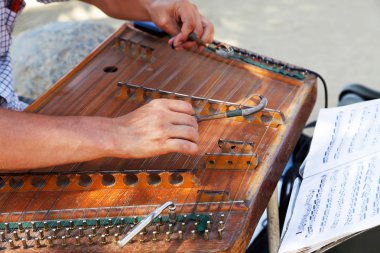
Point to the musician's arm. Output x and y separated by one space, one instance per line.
177 17
29 140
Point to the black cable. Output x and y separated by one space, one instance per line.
318 76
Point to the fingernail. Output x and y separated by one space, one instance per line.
172 45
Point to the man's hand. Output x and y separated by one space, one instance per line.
29 140
159 127
177 17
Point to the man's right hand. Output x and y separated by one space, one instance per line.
29 140
159 127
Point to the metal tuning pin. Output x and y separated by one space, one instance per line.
222 217
90 240
7 228
107 230
221 225
160 221
220 234
27 234
185 218
183 226
64 241
180 235
46 226
103 239
196 225
2 236
197 218
68 232
37 242
81 232
84 224
144 223
172 214
116 237
193 235
119 229
34 227
11 244
170 228
142 237
15 236
206 235
59 224
93 230
122 221
208 225
77 241
55 233
110 224
154 237
71 225
50 241
167 236
135 220
157 228
20 227
24 243
211 217
41 234
97 221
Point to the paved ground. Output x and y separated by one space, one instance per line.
339 39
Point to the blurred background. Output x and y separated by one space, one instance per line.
339 39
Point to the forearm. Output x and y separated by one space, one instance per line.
31 141
124 9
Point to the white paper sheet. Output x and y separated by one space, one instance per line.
343 134
340 192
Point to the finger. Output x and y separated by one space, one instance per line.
208 31
179 106
177 118
183 132
198 29
188 45
189 21
171 28
181 146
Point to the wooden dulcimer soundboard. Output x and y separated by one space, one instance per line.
218 195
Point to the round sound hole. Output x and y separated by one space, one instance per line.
176 179
16 183
38 182
154 179
108 180
131 180
84 180
63 181
110 69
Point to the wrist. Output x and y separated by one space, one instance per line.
101 135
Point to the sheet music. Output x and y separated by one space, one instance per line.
342 134
340 192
